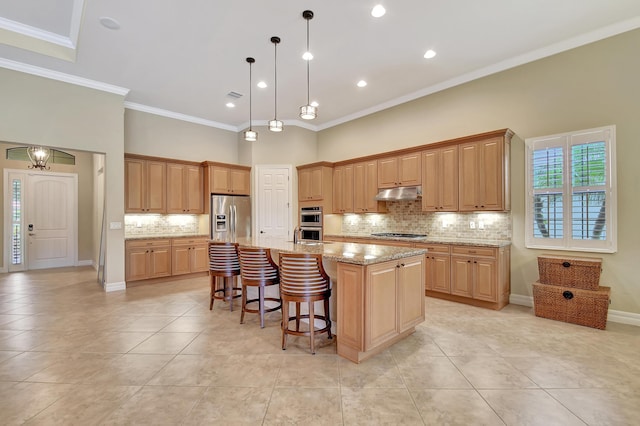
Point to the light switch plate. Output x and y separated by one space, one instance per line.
115 225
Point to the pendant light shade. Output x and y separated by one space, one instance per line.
39 156
275 125
250 135
308 111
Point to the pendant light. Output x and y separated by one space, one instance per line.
39 156
308 111
275 125
250 135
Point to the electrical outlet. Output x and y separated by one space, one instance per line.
472 225
480 224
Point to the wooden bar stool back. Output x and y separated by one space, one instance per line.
224 263
303 280
257 270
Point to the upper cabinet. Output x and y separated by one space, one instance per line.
343 189
315 185
145 186
440 179
185 188
365 188
484 174
402 170
227 179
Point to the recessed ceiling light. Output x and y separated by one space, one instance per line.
110 23
362 83
378 11
315 104
262 84
307 56
429 54
230 105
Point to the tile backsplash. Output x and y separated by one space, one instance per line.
150 224
407 216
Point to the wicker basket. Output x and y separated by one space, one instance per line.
577 306
577 272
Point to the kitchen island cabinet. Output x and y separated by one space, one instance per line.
379 291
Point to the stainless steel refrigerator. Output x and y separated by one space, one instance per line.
230 217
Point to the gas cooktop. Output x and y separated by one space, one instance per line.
398 235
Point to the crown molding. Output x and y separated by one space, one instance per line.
179 116
60 76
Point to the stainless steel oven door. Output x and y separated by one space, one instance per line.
310 233
311 216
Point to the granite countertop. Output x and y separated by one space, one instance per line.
358 254
165 236
429 240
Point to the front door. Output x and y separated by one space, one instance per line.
50 226
273 204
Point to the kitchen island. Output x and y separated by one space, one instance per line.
379 290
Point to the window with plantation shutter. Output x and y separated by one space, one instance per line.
571 200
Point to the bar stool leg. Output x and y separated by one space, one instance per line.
297 316
312 328
261 305
326 316
244 303
285 324
212 283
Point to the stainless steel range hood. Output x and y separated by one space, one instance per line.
400 193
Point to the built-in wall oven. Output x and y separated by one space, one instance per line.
311 223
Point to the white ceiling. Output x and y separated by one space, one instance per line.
185 56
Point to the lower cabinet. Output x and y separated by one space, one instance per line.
189 255
392 296
158 258
438 267
147 259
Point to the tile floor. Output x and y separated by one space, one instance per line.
155 354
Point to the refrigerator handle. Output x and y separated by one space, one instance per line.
233 222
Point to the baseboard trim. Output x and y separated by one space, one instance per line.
85 262
620 317
117 286
3 269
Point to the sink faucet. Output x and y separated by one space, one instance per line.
295 235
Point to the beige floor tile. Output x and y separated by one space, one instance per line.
186 324
21 401
5 355
25 341
151 323
492 373
230 405
129 370
529 407
550 372
304 406
7 319
26 364
189 370
156 405
434 373
164 343
380 371
454 407
379 406
319 371
601 406
74 368
84 405
114 341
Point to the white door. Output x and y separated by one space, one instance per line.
50 227
273 203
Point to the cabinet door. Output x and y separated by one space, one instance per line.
350 305
160 262
180 260
240 182
175 188
219 180
491 179
468 185
462 276
304 184
431 181
200 258
194 189
343 183
448 179
388 172
137 264
134 176
440 273
485 285
365 188
411 285
315 184
410 170
156 184
381 297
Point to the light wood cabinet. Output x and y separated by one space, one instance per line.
145 186
343 187
484 175
392 294
185 189
189 255
365 188
437 267
145 259
227 179
440 179
315 186
402 170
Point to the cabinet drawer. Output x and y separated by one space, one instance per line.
189 241
147 243
474 251
434 248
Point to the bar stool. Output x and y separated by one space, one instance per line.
303 279
224 263
257 270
